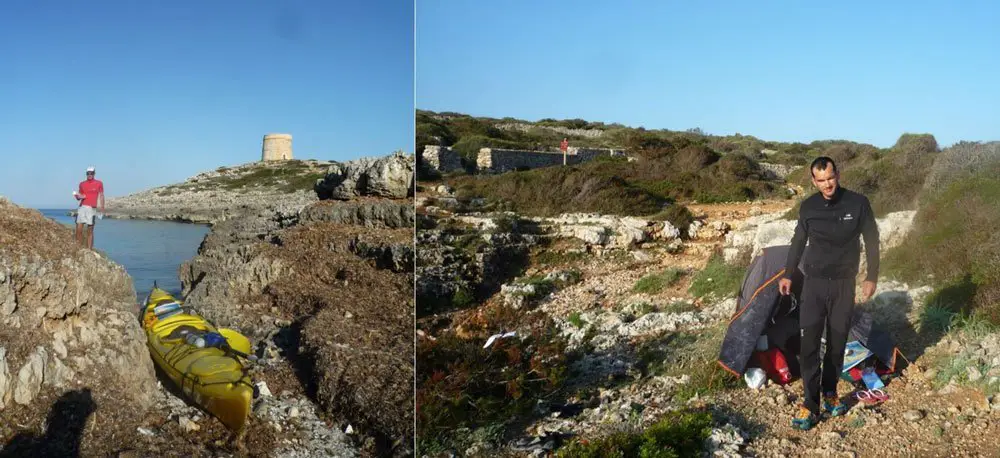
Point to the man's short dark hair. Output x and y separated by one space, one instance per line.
821 163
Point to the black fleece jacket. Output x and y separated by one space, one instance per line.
832 228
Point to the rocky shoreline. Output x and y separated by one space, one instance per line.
280 264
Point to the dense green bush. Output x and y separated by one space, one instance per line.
954 237
892 178
590 187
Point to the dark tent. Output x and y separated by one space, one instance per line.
761 309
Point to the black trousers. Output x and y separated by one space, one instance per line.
827 304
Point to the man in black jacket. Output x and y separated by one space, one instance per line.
832 220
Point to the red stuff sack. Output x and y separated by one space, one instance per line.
855 373
774 364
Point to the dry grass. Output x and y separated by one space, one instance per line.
356 324
24 232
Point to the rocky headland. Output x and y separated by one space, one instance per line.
312 260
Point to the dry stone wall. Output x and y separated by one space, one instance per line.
441 158
504 160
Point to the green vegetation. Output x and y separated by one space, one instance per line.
679 433
891 178
674 166
954 240
680 307
718 279
555 258
575 320
588 187
466 133
288 176
657 282
462 298
619 187
935 319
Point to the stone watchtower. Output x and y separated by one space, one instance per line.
277 147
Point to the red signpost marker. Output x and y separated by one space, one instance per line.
564 146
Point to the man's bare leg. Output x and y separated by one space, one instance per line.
79 234
90 237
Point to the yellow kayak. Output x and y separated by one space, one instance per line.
204 361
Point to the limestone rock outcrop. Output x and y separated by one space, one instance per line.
68 321
390 176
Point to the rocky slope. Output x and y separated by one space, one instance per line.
70 341
226 191
635 354
326 293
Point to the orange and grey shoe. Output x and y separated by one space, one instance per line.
833 405
805 419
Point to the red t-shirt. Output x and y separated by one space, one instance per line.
90 189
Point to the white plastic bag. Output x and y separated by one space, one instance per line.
755 377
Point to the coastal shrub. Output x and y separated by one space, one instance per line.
589 187
891 178
678 433
961 160
469 146
694 158
462 385
717 280
288 176
619 188
953 239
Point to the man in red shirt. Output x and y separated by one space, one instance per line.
90 193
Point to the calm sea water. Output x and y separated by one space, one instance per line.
149 250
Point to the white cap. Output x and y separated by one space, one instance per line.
90 169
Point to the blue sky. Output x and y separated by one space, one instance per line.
787 71
154 92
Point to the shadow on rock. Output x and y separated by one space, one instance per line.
66 422
891 309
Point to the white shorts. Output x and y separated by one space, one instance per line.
85 215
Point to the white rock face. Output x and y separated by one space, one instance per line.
767 230
390 176
5 381
609 230
29 378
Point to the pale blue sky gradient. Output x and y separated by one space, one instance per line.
155 92
785 71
